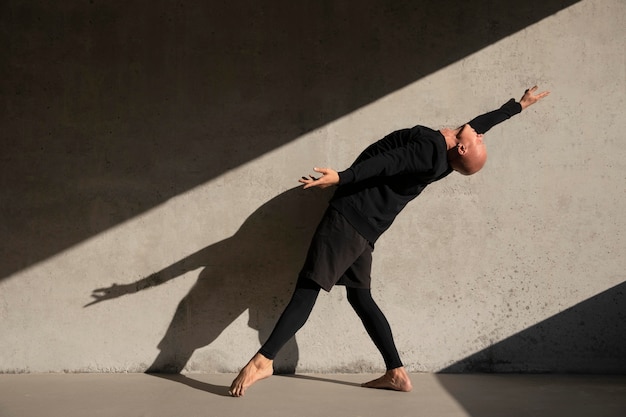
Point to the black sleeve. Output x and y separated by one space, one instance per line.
486 121
416 157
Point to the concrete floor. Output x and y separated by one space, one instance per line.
120 395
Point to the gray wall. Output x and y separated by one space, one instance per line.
157 148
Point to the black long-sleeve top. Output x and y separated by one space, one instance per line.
396 169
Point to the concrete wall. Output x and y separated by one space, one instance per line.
157 148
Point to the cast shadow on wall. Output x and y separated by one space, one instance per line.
254 270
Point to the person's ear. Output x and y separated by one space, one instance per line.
461 149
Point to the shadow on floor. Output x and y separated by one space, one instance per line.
220 390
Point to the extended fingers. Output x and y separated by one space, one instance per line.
529 92
311 178
530 97
328 178
308 182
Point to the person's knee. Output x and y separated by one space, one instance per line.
305 294
307 284
359 297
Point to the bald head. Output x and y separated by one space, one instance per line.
470 162
469 154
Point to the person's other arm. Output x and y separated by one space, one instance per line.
416 157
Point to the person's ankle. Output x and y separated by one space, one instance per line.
397 371
261 361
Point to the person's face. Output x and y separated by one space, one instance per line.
468 138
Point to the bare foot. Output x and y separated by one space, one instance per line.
395 379
258 368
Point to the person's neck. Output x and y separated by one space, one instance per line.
450 136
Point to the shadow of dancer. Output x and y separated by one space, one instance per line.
253 270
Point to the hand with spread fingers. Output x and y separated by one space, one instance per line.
329 178
530 98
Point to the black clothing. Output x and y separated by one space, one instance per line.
338 254
301 304
486 121
293 318
375 324
396 169
387 175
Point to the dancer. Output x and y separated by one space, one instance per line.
370 193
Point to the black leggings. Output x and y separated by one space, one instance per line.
299 308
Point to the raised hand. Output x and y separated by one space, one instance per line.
530 98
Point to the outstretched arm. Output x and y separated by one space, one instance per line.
481 124
486 121
414 157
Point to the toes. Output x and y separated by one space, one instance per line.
235 390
